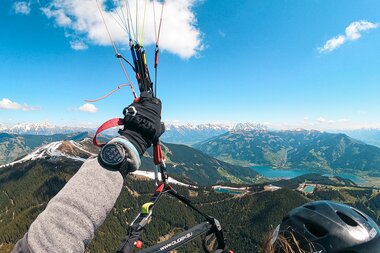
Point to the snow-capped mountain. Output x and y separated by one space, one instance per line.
191 134
246 127
175 133
41 129
72 151
59 149
199 127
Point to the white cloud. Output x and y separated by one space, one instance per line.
7 104
352 32
88 108
179 34
322 120
58 14
22 8
78 45
333 44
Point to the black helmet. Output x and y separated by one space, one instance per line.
331 228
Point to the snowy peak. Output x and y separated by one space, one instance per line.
216 127
246 127
197 127
190 134
58 149
40 129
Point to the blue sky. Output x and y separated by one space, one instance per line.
284 63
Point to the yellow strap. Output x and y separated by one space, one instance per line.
145 208
144 58
141 40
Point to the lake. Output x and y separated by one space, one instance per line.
223 190
269 172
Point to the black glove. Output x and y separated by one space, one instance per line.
142 122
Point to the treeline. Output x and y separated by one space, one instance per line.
26 190
366 200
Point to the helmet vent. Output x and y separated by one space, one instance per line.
348 220
285 218
315 229
362 215
309 207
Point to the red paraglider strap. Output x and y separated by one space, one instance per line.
157 154
106 125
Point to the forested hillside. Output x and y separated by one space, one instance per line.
245 218
27 185
295 149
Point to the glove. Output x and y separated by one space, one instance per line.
142 122
142 128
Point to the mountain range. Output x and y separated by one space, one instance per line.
188 134
175 133
46 170
186 163
300 149
369 136
27 184
41 129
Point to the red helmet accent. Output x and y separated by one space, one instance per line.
138 244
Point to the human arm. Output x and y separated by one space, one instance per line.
71 218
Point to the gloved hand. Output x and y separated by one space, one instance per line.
142 122
142 128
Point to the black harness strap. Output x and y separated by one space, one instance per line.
180 239
210 226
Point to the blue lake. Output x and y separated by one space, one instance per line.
222 190
271 173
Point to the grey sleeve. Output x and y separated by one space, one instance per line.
22 245
71 218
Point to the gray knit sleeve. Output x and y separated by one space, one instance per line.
71 218
22 245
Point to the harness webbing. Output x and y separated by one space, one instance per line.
140 67
106 125
210 226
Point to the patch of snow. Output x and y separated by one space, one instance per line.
228 187
150 174
50 149
44 128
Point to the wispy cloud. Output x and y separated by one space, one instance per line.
88 108
323 120
78 45
352 32
7 104
361 112
59 16
21 8
180 34
221 33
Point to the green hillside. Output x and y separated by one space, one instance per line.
20 205
295 149
191 165
26 188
